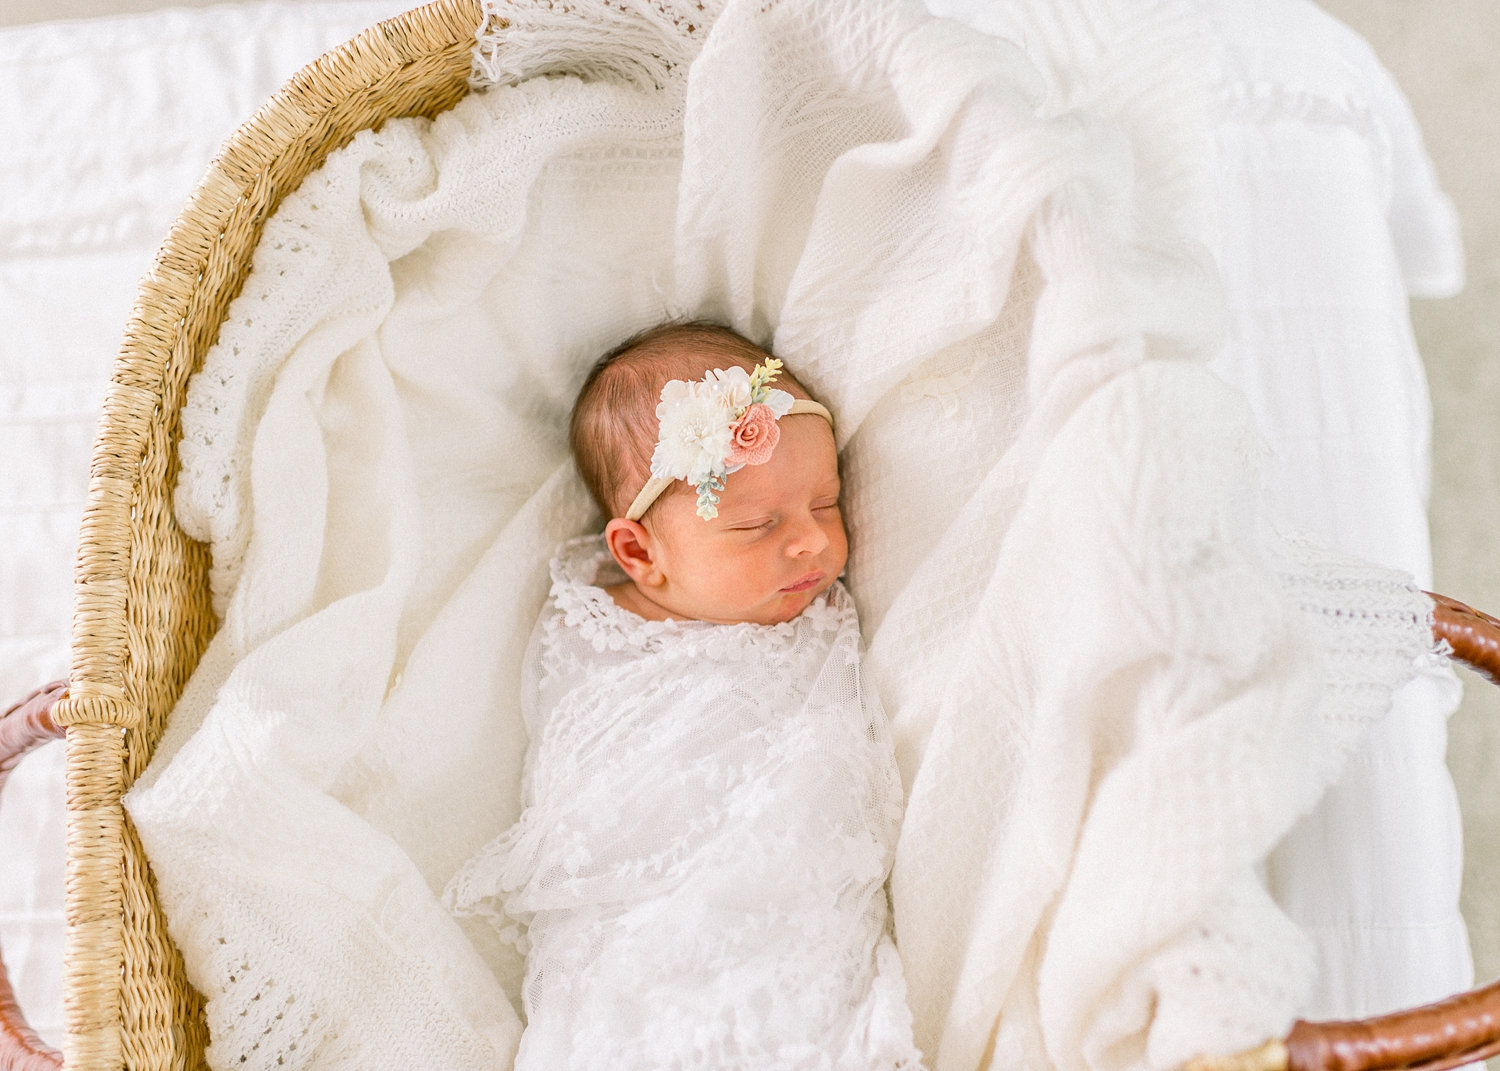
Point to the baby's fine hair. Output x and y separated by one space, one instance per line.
613 429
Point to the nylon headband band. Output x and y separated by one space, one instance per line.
657 484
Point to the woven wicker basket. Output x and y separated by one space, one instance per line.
142 616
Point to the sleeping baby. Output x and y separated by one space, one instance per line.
711 801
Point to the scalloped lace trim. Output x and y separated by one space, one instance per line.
582 566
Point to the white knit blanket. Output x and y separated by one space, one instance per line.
1113 688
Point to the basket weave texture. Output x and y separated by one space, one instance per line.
142 616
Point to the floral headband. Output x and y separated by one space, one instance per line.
714 426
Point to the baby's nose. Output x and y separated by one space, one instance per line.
808 538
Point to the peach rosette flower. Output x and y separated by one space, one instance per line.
753 438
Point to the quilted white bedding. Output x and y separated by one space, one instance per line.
107 124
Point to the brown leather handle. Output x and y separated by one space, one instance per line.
1460 1030
1455 1031
23 727
1474 636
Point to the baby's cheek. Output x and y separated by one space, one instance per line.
750 579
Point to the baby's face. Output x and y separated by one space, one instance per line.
776 545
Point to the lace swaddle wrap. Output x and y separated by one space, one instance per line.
710 813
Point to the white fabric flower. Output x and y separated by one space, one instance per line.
779 402
734 384
694 438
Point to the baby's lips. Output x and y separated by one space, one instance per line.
808 581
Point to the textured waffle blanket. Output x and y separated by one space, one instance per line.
1113 687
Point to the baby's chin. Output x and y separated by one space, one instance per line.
775 611
789 607
779 608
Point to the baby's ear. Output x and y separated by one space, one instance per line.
631 546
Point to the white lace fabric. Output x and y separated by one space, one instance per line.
709 816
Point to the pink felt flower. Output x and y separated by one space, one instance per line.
753 437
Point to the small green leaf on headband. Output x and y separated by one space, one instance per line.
708 502
761 378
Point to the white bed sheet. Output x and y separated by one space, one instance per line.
107 125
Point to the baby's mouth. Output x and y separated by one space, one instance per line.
809 581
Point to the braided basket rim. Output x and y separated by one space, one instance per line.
141 610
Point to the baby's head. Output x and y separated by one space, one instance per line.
758 544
